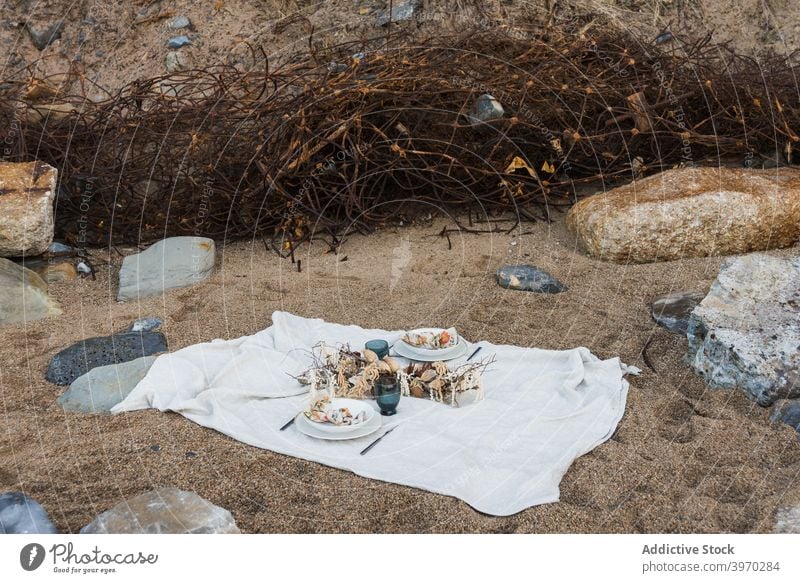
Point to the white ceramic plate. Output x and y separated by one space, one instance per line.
435 353
312 429
355 407
426 355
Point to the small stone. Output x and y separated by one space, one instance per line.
787 411
401 10
171 263
787 521
53 271
43 37
84 268
486 108
146 324
175 61
57 249
190 454
744 333
529 278
155 447
81 357
672 311
27 191
178 42
23 295
164 511
104 386
180 22
20 514
337 67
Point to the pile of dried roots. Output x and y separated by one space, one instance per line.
373 130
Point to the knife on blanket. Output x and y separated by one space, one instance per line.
288 423
374 443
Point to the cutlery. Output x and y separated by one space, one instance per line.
477 350
374 443
288 423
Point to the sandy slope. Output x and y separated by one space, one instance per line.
685 458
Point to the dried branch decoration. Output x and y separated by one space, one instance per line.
342 372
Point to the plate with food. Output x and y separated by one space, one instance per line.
339 419
431 344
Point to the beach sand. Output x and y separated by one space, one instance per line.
685 458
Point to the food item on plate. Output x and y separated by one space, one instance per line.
323 411
432 340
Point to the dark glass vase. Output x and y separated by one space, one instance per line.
387 394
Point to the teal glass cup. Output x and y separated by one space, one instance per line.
387 394
379 347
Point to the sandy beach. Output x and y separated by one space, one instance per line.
685 458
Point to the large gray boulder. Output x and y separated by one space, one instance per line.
104 386
164 511
745 333
171 263
690 212
27 190
20 514
23 295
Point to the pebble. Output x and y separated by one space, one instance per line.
181 21
57 249
104 386
23 295
529 278
178 42
401 10
175 61
20 514
486 108
75 361
171 263
146 324
43 37
164 511
672 311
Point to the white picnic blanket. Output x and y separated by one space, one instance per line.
542 409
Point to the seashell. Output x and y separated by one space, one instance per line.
370 356
335 416
383 367
436 385
417 387
428 376
419 367
440 368
394 366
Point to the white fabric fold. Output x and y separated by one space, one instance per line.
542 409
